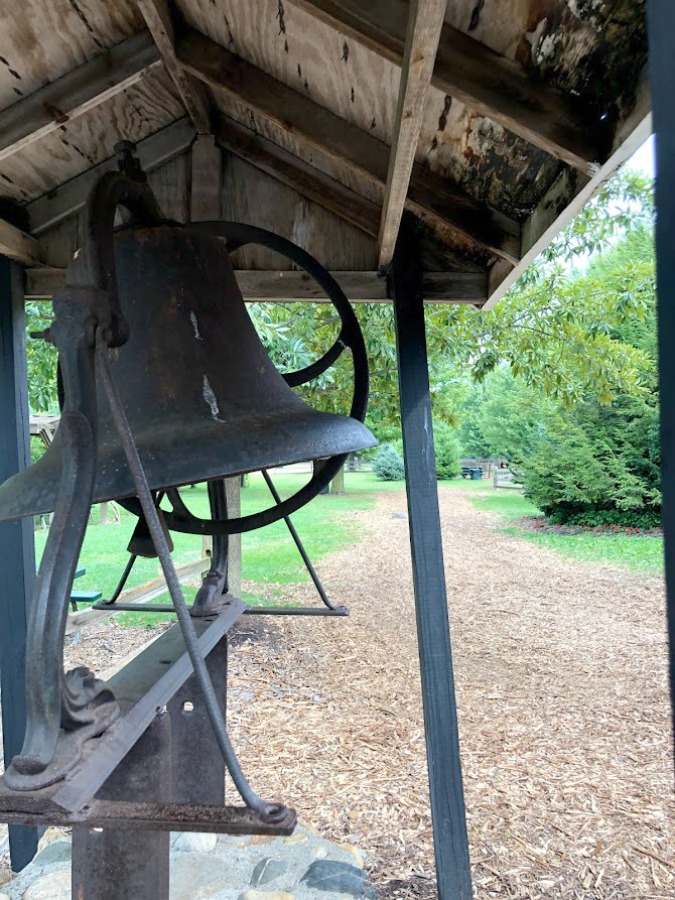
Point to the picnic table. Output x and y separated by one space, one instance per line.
83 596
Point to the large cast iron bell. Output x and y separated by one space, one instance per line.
201 394
164 382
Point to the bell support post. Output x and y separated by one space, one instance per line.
17 567
661 25
451 848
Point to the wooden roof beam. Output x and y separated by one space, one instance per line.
288 286
71 196
76 93
571 191
472 73
445 207
158 18
302 177
424 31
17 245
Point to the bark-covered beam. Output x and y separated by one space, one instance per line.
445 207
76 93
475 75
424 30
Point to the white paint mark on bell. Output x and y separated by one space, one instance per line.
210 397
195 325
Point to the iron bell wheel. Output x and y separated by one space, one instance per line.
202 396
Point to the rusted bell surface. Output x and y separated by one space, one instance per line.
202 396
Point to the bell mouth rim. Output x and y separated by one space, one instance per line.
110 462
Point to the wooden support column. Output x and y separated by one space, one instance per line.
206 205
451 848
17 563
661 24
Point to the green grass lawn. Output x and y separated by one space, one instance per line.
641 553
269 556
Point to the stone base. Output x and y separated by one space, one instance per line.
303 866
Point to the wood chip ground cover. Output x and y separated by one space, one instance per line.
562 693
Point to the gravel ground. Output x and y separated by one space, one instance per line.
562 693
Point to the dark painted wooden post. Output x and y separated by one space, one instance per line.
661 24
17 549
433 630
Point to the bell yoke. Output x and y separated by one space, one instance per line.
163 382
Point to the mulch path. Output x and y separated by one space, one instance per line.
564 718
562 695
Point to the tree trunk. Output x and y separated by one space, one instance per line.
337 485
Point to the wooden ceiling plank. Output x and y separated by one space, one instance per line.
294 172
289 285
76 93
424 31
472 73
17 245
444 206
70 197
157 15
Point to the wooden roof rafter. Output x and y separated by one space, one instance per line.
448 210
77 92
470 72
158 17
289 286
17 245
153 151
425 20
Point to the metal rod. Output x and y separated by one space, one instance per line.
123 580
270 811
298 543
339 611
451 848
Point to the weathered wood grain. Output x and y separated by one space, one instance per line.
43 41
157 15
307 180
76 93
287 286
469 71
17 245
445 206
424 31
71 196
206 182
75 146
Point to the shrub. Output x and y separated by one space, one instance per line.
447 451
388 464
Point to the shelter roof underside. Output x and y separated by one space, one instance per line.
491 121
